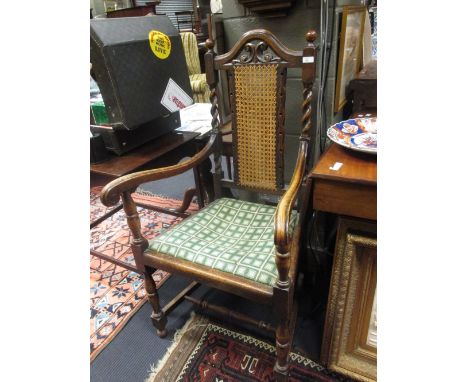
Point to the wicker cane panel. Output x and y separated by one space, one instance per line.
255 132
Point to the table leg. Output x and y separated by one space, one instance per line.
203 178
199 188
206 177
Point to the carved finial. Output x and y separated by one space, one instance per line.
310 36
209 44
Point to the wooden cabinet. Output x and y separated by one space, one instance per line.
364 89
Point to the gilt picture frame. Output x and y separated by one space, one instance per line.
350 50
349 344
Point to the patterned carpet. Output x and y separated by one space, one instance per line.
204 351
115 292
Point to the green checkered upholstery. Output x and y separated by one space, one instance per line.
229 235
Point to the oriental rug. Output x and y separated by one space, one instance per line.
117 293
204 351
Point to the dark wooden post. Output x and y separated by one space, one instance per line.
139 245
308 77
212 80
139 242
282 291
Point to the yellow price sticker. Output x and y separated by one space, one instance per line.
160 44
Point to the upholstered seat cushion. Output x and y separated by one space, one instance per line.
229 235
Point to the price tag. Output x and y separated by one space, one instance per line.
174 97
336 166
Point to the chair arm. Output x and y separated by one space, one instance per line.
285 205
110 194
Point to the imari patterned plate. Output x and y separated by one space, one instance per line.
358 134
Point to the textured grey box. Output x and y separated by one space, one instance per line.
131 76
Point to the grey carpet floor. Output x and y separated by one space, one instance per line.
130 355
128 358
172 187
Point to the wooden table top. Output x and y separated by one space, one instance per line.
350 190
117 166
357 167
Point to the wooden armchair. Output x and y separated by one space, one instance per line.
243 248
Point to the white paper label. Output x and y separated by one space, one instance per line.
336 166
174 97
308 60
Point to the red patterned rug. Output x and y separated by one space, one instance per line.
207 352
116 293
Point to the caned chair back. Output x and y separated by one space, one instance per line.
256 70
257 102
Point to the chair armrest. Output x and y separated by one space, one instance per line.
285 205
110 194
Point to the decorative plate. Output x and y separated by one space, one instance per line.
358 134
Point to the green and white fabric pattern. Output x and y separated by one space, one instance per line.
229 235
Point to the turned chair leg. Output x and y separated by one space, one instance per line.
158 317
283 345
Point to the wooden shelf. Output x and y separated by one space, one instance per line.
269 8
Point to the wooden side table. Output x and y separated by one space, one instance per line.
349 344
352 189
166 150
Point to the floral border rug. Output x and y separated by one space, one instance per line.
116 293
205 351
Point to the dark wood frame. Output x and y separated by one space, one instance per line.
279 296
268 8
340 102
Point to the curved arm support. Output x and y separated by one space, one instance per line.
283 212
285 205
110 194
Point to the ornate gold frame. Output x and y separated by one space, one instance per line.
345 345
340 99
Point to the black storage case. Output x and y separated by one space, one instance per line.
132 79
121 140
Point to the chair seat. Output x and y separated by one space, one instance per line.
229 235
